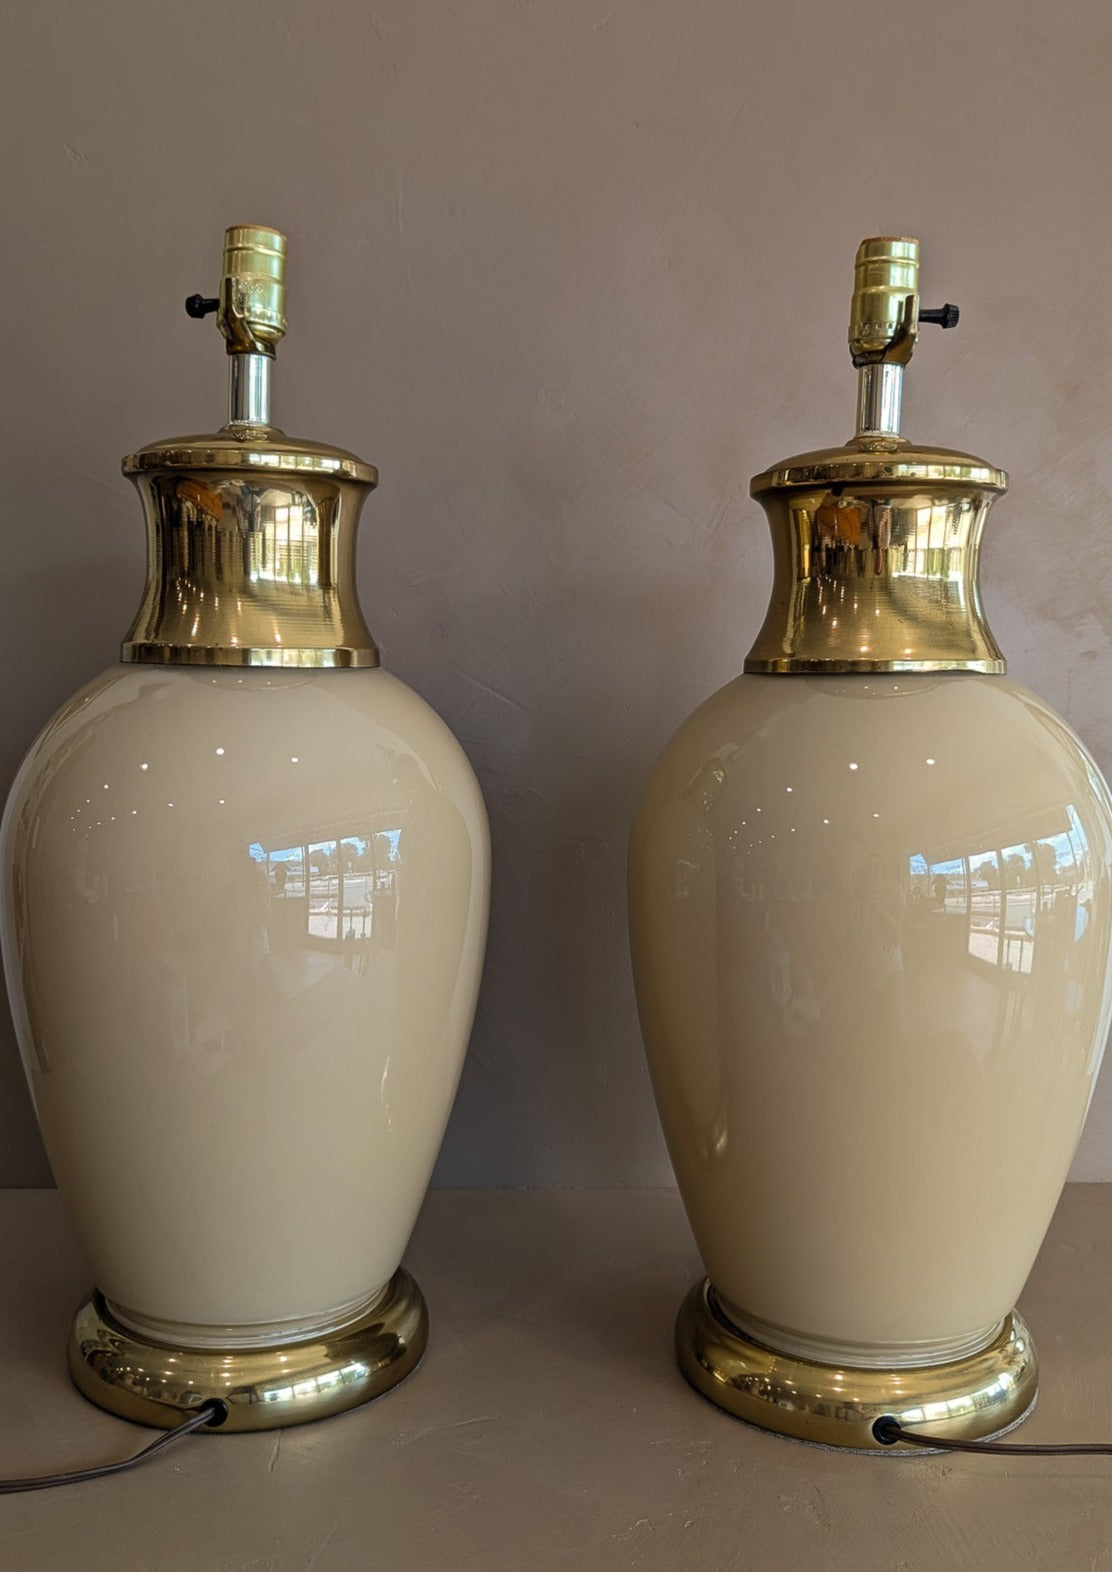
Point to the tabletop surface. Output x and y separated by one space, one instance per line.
548 1426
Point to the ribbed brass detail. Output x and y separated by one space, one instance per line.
252 312
265 1388
879 461
875 550
251 552
262 449
884 315
967 1399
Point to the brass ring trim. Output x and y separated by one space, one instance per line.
150 653
263 461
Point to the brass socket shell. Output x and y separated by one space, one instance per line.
884 314
252 311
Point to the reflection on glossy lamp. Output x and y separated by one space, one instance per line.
870 908
246 880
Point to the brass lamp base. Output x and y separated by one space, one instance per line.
968 1399
264 1388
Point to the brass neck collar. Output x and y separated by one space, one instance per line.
251 552
875 549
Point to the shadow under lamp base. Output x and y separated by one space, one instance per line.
265 1388
969 1399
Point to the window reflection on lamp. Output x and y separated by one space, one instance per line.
282 541
1009 898
334 893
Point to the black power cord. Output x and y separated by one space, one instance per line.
213 1412
888 1431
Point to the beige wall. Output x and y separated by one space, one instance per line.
569 271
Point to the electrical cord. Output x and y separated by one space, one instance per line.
889 1430
213 1412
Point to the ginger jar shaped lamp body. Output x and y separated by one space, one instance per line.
246 883
870 912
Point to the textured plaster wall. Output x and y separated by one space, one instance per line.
570 273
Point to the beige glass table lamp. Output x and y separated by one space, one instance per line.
870 912
246 880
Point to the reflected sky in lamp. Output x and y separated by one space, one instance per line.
346 889
1015 901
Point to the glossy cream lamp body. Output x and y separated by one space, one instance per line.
871 907
246 883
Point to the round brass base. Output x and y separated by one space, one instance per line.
969 1399
264 1388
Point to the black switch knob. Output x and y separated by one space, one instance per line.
945 316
